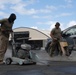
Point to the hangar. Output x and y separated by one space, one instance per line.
37 38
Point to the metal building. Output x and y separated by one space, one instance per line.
37 38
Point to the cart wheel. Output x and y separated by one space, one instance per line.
34 63
8 61
20 63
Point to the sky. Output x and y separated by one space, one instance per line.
40 14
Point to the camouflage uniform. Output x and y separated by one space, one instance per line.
55 43
4 36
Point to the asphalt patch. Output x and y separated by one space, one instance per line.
70 70
31 72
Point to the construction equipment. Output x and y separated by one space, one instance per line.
64 47
21 51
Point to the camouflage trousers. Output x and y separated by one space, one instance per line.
3 46
55 46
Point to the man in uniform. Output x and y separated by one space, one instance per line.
5 30
56 36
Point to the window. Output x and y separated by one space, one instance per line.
71 31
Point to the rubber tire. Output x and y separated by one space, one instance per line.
20 63
8 61
34 63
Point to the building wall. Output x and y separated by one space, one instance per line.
34 33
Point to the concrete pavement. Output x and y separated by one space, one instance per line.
57 66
